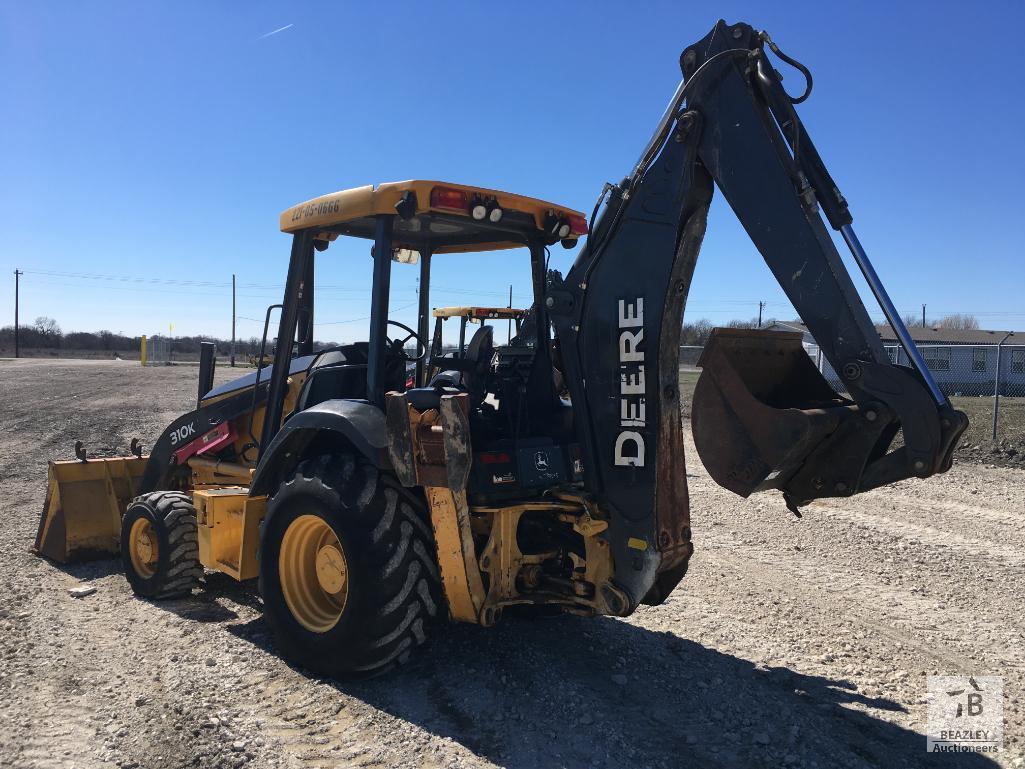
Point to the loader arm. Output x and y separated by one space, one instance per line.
763 415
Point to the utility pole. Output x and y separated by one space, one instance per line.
761 306
923 316
17 350
233 320
508 331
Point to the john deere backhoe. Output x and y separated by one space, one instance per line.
545 472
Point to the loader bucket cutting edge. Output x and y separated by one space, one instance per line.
84 503
760 408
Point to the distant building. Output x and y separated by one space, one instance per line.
962 362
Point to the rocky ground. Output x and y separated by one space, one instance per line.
977 444
790 643
1004 453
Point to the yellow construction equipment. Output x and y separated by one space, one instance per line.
374 487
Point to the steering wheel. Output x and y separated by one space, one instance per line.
399 345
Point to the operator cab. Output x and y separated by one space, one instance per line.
512 389
440 371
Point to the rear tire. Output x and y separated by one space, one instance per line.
392 589
159 545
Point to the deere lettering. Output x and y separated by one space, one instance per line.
630 443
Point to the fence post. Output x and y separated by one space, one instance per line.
996 383
142 350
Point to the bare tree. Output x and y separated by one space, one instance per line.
696 332
959 321
47 327
753 323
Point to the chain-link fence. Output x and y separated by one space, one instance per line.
158 351
987 381
961 371
689 354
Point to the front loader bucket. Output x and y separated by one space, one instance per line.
84 504
760 407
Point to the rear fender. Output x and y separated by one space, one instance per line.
358 425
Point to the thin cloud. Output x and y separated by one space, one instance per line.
279 29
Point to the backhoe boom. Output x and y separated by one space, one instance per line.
763 416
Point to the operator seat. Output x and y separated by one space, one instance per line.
479 353
342 373
467 374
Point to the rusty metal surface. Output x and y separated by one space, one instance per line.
760 407
672 499
400 441
431 449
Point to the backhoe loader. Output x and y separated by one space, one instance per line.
545 472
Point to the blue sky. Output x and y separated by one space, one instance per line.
150 145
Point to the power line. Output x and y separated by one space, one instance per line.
336 322
354 320
127 278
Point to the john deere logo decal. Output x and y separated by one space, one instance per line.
541 461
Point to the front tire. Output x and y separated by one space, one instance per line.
347 569
159 545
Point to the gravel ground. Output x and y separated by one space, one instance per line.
790 643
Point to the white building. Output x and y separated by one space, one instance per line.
962 362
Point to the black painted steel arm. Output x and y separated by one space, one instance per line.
618 314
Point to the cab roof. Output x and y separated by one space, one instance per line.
433 215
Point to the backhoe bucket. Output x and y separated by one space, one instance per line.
760 408
84 504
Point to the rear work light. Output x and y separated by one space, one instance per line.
481 209
446 197
565 227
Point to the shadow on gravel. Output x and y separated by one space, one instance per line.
87 570
205 605
601 692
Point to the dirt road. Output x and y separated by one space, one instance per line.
790 643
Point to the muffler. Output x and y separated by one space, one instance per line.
760 408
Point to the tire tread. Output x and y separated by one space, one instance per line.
402 586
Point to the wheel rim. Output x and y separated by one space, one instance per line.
313 572
143 548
